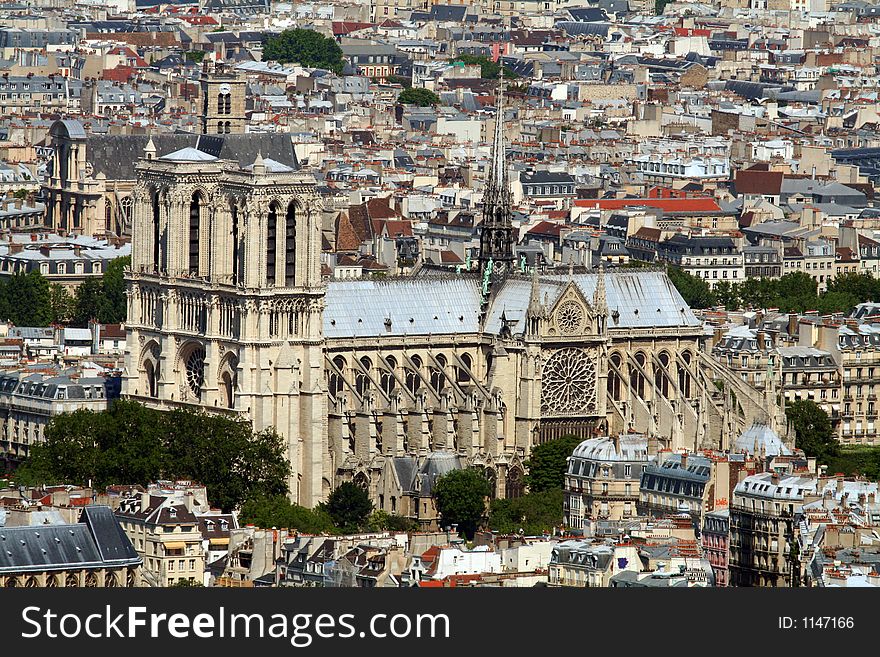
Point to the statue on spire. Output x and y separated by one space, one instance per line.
497 239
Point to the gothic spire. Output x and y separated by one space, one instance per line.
535 307
497 238
600 304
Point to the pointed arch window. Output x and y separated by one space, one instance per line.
290 246
236 274
156 229
195 220
271 235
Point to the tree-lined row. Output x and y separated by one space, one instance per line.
30 300
794 292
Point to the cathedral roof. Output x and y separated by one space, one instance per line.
451 305
188 154
635 299
414 306
272 166
117 155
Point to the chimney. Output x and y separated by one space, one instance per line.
774 478
145 500
684 461
840 483
653 445
792 324
615 438
188 499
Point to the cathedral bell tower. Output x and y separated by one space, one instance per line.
225 300
223 96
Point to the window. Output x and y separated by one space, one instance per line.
271 227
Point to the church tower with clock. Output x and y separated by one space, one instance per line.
223 99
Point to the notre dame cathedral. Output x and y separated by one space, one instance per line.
391 382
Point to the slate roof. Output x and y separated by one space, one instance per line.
96 541
116 155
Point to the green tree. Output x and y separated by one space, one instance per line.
727 294
61 304
195 56
418 96
488 69
532 514
460 496
695 291
380 521
863 286
21 194
133 444
277 511
114 308
349 505
186 584
813 430
28 301
305 47
239 463
88 300
660 6
547 463
402 80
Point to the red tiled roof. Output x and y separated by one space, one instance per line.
647 233
546 228
665 204
200 20
112 331
449 258
758 182
341 28
118 74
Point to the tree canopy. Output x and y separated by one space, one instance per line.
695 291
305 47
533 514
813 430
547 463
28 299
488 68
278 511
133 444
460 496
349 506
793 292
418 96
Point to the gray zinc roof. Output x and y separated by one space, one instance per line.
429 306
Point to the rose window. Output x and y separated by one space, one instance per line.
195 371
570 318
569 383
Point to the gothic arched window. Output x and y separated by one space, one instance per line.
156 229
361 379
195 220
290 246
271 234
237 276
387 379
